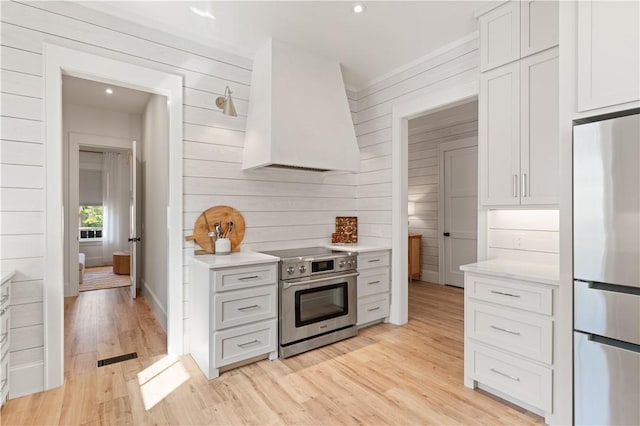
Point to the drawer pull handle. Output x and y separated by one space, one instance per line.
374 260
244 345
4 338
374 282
246 308
4 385
373 309
509 376
504 294
252 277
495 327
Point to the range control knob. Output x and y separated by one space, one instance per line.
290 270
341 263
350 262
302 269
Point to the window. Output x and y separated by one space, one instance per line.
90 226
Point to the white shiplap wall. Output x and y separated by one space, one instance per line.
527 235
426 133
453 65
282 208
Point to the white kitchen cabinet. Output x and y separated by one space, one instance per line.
500 36
509 335
518 127
373 287
234 310
517 29
608 53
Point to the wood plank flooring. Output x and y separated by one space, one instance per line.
386 375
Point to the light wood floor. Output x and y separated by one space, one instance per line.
386 375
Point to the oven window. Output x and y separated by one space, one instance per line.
322 303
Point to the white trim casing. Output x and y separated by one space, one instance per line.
401 113
58 61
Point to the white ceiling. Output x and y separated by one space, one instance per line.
91 93
389 35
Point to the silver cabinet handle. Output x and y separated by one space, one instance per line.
252 277
495 327
504 294
509 376
515 186
374 260
246 308
373 309
4 337
244 345
373 282
524 184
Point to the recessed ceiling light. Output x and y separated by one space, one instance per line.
202 13
359 8
108 91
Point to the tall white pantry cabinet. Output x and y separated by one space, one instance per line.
518 104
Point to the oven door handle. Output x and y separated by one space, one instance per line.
286 285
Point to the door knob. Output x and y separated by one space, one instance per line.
446 234
134 239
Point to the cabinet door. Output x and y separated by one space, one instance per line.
500 36
415 255
539 141
539 26
608 64
499 130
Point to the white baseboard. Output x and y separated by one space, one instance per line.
156 306
26 379
430 277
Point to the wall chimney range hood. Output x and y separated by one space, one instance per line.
298 113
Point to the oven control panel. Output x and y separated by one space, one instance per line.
298 268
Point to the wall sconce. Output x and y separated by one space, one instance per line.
411 208
225 103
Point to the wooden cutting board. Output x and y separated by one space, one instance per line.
206 222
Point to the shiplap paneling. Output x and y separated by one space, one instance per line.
426 133
451 67
531 235
284 208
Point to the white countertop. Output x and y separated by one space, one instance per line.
6 276
538 272
234 259
357 248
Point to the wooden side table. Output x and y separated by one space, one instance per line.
122 263
415 256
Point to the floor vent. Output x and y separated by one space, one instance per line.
116 359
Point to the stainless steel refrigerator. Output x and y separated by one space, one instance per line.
606 240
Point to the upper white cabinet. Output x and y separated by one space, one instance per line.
608 53
500 36
517 29
519 153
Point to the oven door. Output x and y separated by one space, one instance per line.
313 306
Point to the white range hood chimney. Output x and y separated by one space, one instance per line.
298 113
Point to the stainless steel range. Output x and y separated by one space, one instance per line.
317 298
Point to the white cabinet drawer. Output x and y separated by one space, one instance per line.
521 333
240 307
372 308
376 259
243 277
515 294
515 377
242 343
373 281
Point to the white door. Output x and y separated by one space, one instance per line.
133 232
460 211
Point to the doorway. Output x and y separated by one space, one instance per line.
442 190
61 61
